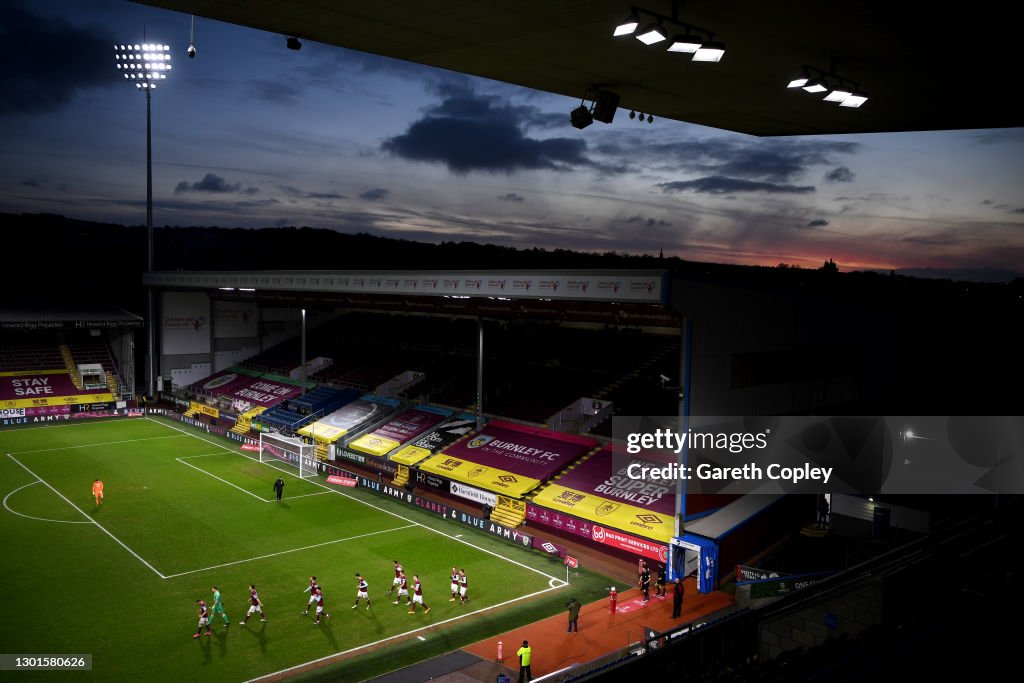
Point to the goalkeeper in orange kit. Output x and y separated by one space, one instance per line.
97 492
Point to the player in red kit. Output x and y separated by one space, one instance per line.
463 584
362 592
204 618
455 585
319 596
398 577
255 605
403 591
417 598
312 588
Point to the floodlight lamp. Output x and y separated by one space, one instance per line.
581 117
709 52
816 86
654 33
632 114
293 43
854 100
837 95
686 43
627 26
797 82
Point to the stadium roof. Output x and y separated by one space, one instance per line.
899 52
56 317
635 298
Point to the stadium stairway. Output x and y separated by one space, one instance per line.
69 363
244 422
113 385
402 478
321 450
510 512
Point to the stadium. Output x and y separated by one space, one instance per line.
836 495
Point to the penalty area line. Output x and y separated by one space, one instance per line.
93 521
224 481
291 550
342 655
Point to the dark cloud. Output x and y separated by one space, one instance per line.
998 136
47 61
276 92
1018 210
468 132
840 174
213 184
293 191
771 161
986 202
374 194
30 182
511 197
817 223
648 222
726 185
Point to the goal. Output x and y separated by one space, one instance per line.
294 451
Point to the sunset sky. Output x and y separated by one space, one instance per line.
250 134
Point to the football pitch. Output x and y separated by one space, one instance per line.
185 510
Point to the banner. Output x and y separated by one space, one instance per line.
398 431
446 433
533 453
605 475
341 481
470 493
598 533
235 319
204 409
410 455
607 512
345 419
221 383
490 478
262 391
185 323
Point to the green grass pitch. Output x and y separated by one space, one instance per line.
185 510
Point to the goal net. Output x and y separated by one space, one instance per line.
294 451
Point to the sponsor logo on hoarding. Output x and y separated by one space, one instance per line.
341 481
606 508
598 534
649 519
549 547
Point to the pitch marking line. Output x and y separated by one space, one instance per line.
91 520
225 481
41 519
561 582
340 655
292 550
89 445
260 498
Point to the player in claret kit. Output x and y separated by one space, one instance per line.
455 585
403 591
362 592
318 595
463 584
312 588
417 598
398 577
204 618
255 605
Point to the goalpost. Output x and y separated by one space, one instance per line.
291 450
